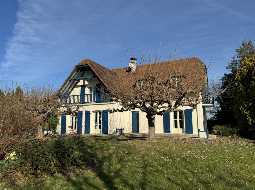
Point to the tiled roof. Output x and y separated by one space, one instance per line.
107 76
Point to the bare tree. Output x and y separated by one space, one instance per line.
22 112
159 87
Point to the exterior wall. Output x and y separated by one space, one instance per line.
124 120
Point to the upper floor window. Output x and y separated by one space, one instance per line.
88 94
178 119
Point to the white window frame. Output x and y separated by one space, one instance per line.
88 96
178 119
98 120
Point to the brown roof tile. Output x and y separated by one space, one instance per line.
108 76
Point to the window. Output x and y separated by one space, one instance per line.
181 121
175 119
73 99
178 119
88 94
74 122
98 119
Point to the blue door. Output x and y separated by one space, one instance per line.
135 122
188 121
79 122
87 122
166 122
63 124
82 95
105 122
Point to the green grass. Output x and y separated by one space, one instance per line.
165 163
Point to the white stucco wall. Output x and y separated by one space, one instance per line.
124 119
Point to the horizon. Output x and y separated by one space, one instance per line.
41 49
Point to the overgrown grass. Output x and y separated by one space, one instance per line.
111 163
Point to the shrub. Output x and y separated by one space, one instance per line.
224 130
58 155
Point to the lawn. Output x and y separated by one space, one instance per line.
163 163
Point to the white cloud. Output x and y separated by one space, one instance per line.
47 36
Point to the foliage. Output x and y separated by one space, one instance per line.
52 123
166 163
236 99
224 130
245 82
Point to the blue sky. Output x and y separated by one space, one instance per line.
41 40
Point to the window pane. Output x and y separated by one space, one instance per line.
75 124
96 113
100 119
181 123
175 114
181 115
175 123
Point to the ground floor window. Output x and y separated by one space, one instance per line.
73 122
179 119
98 119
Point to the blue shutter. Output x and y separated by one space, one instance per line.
94 95
98 96
188 121
82 95
135 122
79 122
63 124
87 122
105 122
166 122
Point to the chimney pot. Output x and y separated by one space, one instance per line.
132 64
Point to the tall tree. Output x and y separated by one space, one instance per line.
245 88
230 111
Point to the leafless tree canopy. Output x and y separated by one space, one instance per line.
22 112
160 87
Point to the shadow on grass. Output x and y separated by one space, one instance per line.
91 155
124 137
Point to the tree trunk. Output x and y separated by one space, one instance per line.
151 123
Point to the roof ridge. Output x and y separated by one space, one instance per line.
163 62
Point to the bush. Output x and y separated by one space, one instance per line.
224 130
58 155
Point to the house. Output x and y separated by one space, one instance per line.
87 109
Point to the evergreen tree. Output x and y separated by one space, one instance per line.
234 89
